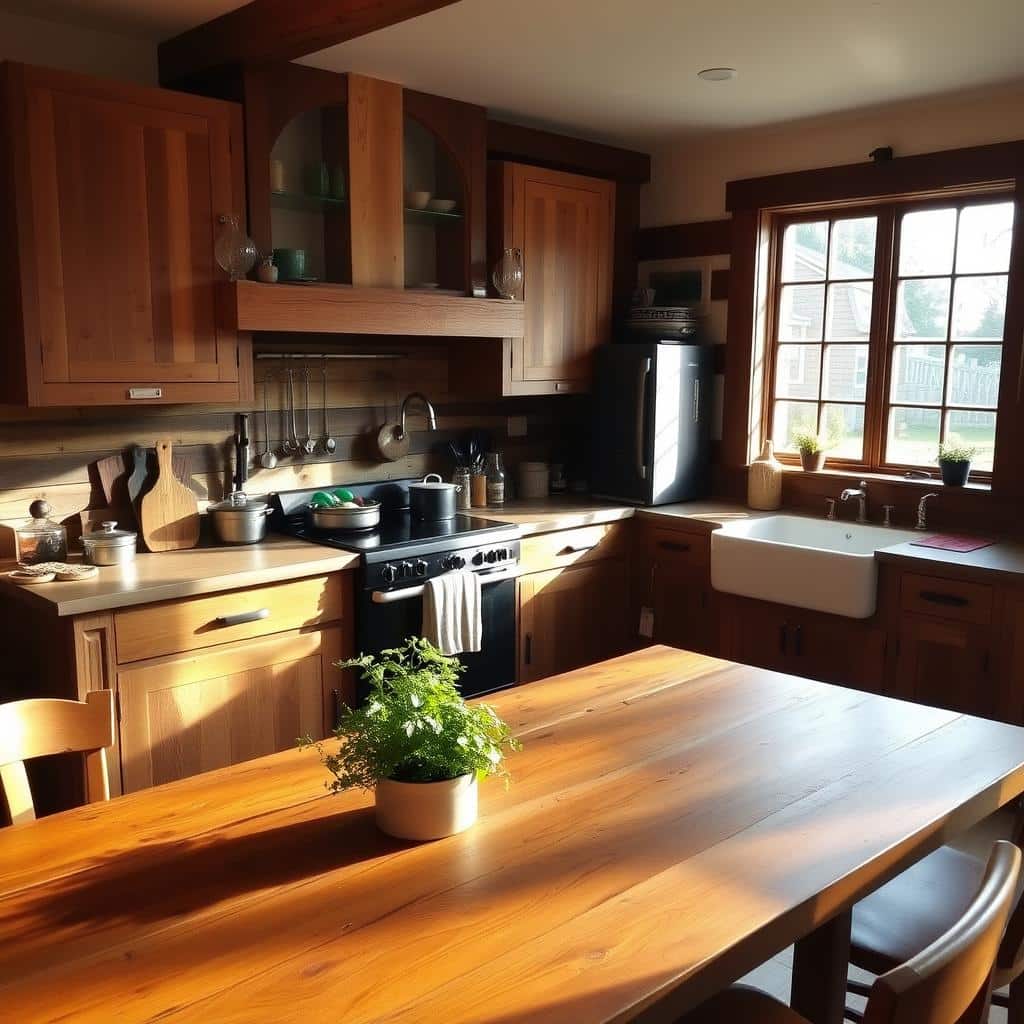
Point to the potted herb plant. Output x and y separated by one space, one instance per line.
955 463
417 743
811 449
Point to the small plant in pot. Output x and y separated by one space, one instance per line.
811 449
955 463
417 743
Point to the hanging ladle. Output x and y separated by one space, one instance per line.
268 460
329 443
309 445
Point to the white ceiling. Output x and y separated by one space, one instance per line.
625 71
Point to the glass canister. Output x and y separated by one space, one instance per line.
40 539
508 274
495 473
462 478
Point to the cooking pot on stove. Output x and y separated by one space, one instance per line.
359 517
432 499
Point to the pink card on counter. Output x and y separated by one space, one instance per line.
953 542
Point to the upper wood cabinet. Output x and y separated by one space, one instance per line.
564 225
112 195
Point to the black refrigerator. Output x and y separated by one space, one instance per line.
651 430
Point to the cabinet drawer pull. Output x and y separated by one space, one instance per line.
239 617
672 545
798 640
528 649
937 597
336 700
782 639
576 549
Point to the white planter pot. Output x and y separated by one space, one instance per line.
426 810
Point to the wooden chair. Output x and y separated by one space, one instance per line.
38 728
946 983
909 913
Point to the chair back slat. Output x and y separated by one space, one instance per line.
41 727
949 981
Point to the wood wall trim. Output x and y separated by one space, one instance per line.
685 241
520 144
279 30
927 172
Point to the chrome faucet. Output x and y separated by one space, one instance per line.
417 396
861 494
922 511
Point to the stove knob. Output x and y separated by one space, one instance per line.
453 562
502 554
405 570
491 556
421 568
478 558
389 574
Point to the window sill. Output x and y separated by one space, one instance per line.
855 476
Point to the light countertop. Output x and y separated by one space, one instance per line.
176 574
1000 559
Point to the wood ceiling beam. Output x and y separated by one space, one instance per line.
279 30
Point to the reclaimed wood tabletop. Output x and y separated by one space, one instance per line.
673 821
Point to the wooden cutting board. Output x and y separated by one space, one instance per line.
168 514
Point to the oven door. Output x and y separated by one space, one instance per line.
388 623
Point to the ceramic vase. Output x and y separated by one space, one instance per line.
764 480
426 810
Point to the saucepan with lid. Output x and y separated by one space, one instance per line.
240 519
109 545
432 499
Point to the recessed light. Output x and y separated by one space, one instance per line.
717 74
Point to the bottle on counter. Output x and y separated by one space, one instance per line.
463 478
495 473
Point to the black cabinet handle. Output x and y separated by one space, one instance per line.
798 640
239 617
937 597
670 545
571 549
783 629
336 697
528 648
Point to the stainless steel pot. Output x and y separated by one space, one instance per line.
432 499
364 517
109 545
240 522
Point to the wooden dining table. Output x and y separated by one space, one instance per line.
672 821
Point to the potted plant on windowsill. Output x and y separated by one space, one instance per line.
811 449
417 743
955 463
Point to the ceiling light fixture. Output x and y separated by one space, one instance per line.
717 74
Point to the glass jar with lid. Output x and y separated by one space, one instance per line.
40 539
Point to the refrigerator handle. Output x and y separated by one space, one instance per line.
696 400
641 418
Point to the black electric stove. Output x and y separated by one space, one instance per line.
400 555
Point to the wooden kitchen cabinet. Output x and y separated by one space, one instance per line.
112 195
674 580
564 225
830 648
1011 664
190 713
572 616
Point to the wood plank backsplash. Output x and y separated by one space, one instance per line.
47 453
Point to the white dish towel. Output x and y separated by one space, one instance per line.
452 621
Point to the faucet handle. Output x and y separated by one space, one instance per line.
887 511
830 508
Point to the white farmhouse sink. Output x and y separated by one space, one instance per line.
827 566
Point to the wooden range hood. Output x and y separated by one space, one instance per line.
364 121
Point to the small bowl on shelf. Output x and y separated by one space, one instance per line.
442 205
417 200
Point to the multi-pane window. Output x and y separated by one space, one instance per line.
951 280
823 325
887 330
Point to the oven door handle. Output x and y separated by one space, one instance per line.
408 593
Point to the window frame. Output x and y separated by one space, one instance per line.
881 337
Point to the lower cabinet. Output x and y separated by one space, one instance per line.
572 616
197 711
830 648
947 664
